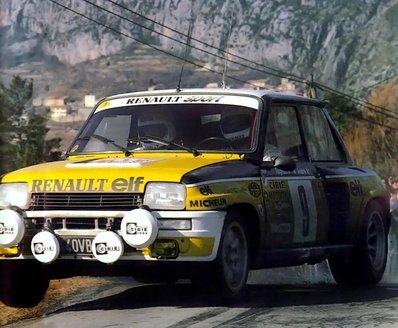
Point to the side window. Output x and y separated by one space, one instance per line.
321 143
283 134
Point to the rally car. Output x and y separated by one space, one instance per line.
202 184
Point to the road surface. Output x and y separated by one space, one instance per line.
300 297
265 305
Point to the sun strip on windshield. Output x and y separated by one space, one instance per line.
180 99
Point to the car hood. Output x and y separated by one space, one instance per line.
115 173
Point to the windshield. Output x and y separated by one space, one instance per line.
213 127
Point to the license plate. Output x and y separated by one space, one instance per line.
79 245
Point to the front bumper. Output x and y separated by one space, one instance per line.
198 243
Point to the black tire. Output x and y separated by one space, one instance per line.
225 279
24 283
367 263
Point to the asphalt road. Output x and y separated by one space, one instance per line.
265 305
301 297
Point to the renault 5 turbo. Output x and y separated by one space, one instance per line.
201 184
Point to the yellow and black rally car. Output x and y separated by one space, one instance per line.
202 184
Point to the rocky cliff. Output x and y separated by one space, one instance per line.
345 44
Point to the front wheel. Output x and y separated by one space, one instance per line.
226 278
24 283
367 263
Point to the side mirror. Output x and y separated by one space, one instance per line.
285 163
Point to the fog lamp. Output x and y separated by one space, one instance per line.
164 249
10 251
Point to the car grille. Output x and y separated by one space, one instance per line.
85 201
77 223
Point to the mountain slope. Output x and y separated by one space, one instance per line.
348 45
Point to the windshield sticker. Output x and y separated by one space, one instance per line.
181 99
74 148
172 99
131 184
104 105
109 162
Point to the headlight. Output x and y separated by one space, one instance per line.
165 196
15 194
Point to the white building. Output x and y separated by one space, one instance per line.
58 114
89 101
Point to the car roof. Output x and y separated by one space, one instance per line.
266 94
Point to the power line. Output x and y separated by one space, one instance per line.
382 81
364 103
377 123
145 43
184 59
279 73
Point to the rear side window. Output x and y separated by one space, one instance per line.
321 143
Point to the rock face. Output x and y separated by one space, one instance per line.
345 44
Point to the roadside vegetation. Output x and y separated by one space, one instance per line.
22 131
373 142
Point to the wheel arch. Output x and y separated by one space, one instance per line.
385 207
252 223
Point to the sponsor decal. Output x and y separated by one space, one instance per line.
87 185
179 99
103 248
109 162
171 99
356 188
302 171
274 184
208 202
5 230
133 229
103 105
277 195
39 248
254 189
203 99
206 190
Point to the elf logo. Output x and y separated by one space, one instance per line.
131 184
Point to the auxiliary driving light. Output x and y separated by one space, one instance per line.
139 228
107 247
12 228
45 247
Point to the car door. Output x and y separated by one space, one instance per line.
294 200
341 180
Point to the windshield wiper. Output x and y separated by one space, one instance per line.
105 140
163 142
